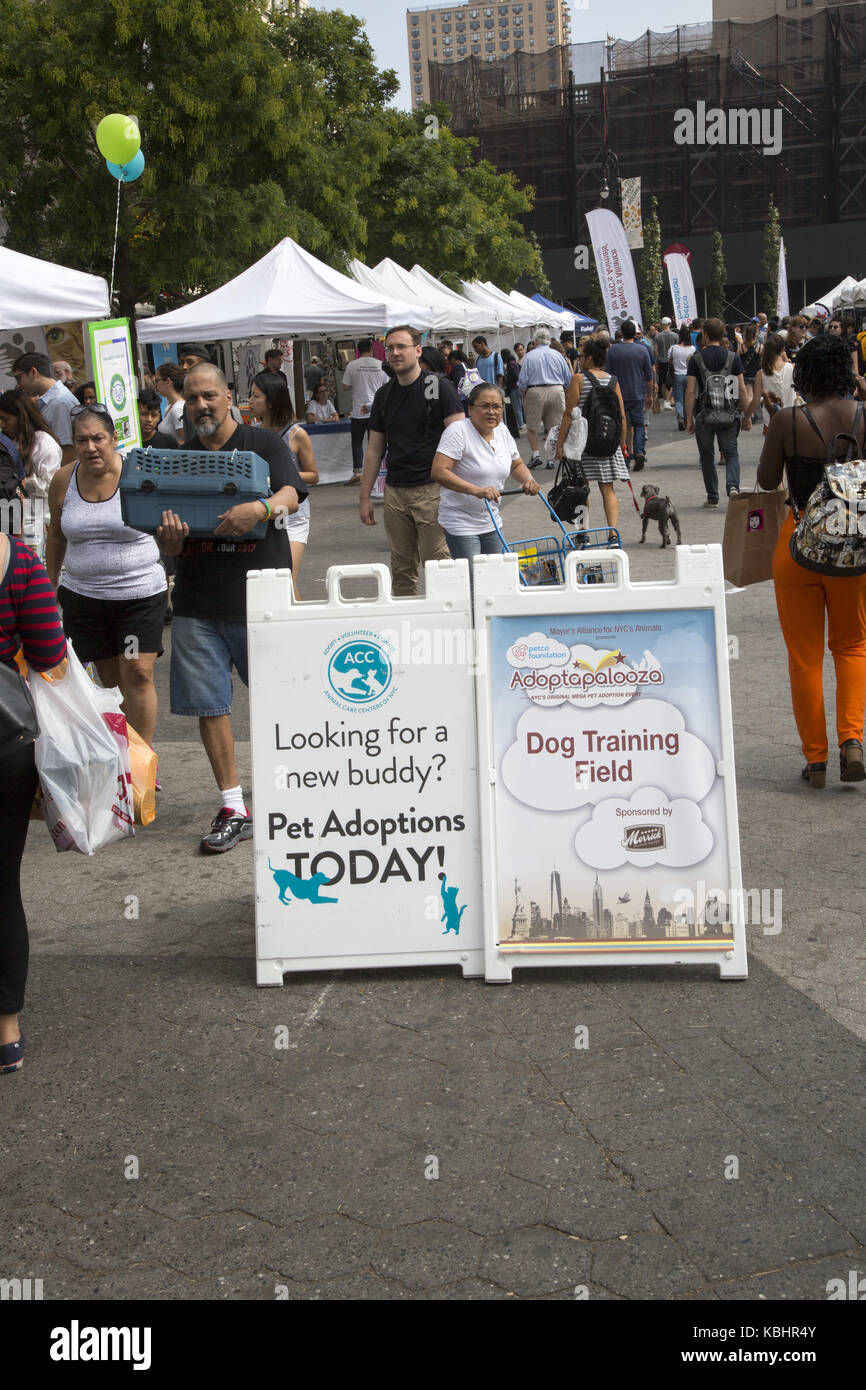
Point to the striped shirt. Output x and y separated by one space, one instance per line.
28 612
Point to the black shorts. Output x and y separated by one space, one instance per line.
99 628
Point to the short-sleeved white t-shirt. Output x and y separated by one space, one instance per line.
486 463
363 376
172 420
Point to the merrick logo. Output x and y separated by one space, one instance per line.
740 126
644 837
77 1343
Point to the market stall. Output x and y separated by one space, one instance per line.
289 294
42 306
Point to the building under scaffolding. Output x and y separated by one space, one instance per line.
811 71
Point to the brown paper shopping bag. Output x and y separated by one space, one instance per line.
752 527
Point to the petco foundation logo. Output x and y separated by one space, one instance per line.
360 671
646 837
740 126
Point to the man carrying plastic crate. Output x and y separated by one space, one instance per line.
209 631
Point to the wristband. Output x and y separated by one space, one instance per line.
267 506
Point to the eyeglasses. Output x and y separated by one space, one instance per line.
485 405
399 347
96 409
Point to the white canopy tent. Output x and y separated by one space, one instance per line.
561 323
488 319
498 304
391 278
34 292
288 293
834 300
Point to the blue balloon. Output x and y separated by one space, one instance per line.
127 173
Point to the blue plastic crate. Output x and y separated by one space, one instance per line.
198 484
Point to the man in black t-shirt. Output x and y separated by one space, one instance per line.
408 415
209 630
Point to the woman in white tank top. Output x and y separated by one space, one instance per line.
113 590
271 404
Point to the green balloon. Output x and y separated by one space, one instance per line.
118 138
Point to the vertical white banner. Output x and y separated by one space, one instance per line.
782 290
682 288
631 212
615 268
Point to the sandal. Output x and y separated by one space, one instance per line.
815 774
12 1056
851 767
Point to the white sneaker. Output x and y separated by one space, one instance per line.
668 405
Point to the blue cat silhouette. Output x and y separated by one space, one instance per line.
449 901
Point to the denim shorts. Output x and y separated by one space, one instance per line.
203 651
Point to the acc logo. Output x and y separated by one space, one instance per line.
360 672
117 392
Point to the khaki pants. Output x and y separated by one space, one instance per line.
414 533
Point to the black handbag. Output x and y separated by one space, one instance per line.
570 490
18 723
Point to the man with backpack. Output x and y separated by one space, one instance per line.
488 364
716 392
408 416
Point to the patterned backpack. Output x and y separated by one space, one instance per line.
830 537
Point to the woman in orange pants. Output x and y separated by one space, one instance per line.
794 447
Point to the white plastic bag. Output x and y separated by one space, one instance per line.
575 440
82 757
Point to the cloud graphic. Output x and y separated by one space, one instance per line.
537 651
618 827
540 768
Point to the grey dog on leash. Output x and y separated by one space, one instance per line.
660 509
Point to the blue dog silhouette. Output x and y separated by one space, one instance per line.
307 889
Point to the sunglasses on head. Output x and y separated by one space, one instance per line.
96 409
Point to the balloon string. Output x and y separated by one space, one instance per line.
114 248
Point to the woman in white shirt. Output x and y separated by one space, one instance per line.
271 404
680 354
23 421
169 383
473 462
774 383
319 409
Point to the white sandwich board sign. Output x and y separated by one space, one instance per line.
365 802
606 769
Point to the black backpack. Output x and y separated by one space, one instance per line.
602 415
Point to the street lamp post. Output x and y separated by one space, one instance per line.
609 172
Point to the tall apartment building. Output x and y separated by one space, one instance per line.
750 11
450 33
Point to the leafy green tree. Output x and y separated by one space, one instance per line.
432 203
650 275
770 259
253 128
716 298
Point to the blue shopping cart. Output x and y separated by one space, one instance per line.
541 559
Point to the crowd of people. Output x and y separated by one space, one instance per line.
444 429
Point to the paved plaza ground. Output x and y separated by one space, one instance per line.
301 1172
